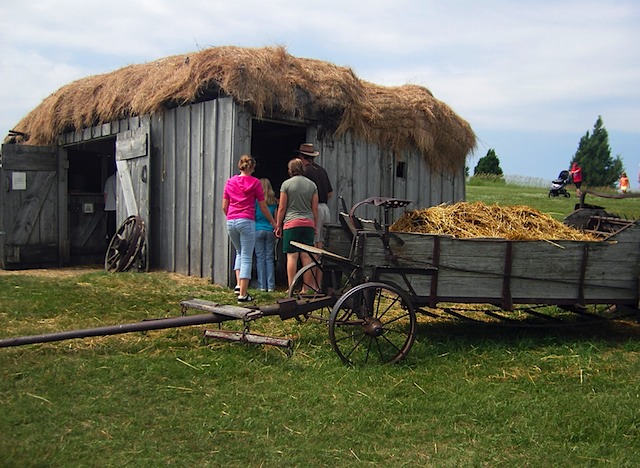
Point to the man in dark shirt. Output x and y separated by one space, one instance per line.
318 175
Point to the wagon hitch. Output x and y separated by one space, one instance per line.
246 337
213 313
285 308
145 325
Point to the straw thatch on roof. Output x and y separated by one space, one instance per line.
271 83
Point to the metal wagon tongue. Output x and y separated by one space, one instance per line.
214 313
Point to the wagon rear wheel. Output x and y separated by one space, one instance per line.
333 281
372 322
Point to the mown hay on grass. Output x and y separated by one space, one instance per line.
476 220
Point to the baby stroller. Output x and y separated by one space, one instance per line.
558 186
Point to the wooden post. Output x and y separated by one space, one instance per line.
433 294
583 273
507 301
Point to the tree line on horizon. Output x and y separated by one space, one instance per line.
599 168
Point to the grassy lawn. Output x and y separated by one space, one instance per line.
558 207
468 394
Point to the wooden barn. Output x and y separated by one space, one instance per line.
175 128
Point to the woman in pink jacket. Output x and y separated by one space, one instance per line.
241 192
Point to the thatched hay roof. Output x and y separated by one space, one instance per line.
271 83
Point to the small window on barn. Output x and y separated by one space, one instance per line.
401 169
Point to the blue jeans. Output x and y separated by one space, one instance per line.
242 233
265 248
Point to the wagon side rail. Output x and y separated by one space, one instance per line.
504 272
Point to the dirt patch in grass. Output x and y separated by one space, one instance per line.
53 272
69 272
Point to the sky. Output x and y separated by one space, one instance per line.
531 78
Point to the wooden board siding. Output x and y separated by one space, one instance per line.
506 272
183 217
110 129
198 202
132 161
196 150
193 150
29 228
233 131
162 204
359 170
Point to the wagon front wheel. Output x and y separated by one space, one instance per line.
372 323
304 287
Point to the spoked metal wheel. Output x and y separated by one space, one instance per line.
313 281
372 323
127 246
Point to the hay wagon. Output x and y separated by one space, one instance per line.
381 279
369 283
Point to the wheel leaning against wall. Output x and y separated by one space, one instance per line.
127 247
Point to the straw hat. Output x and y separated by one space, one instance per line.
307 149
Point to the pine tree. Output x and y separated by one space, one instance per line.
593 155
489 164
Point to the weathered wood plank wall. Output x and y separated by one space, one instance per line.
483 270
29 215
359 170
195 150
103 130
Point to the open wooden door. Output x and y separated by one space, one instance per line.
132 164
32 202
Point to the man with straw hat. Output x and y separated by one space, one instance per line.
319 176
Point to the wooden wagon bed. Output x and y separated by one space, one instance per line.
499 271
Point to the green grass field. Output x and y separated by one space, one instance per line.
468 394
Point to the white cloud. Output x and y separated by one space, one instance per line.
519 66
543 65
27 78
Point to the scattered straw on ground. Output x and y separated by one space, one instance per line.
66 272
475 220
72 271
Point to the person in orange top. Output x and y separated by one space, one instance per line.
624 183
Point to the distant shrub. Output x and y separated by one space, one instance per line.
527 181
481 179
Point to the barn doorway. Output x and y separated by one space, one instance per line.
90 164
273 144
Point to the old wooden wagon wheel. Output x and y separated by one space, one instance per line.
127 246
315 280
373 322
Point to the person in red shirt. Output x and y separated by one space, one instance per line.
576 176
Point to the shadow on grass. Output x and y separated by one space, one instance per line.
532 331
